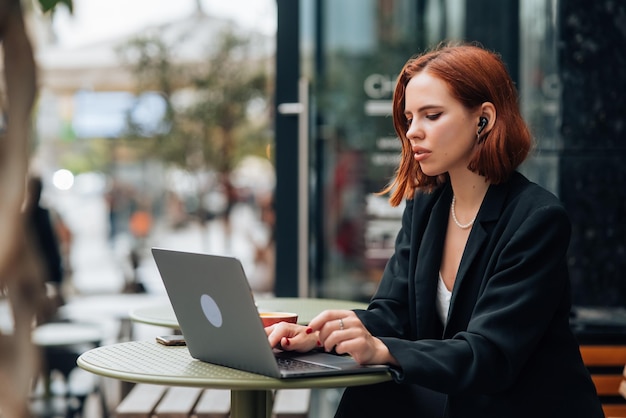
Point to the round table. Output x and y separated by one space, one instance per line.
251 394
306 308
115 306
57 334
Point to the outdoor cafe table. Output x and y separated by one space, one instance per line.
306 308
251 394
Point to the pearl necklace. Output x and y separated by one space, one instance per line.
456 221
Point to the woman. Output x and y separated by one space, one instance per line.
472 311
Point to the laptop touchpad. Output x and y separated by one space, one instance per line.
326 359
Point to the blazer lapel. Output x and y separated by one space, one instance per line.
490 211
427 267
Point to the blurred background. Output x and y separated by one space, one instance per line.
246 125
262 129
153 127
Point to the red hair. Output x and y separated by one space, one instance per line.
474 76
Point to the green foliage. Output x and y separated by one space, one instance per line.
85 156
50 5
207 103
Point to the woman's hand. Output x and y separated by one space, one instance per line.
291 337
344 332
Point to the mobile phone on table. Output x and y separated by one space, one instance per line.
171 340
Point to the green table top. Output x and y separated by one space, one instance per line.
150 362
306 308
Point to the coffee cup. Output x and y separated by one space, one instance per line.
271 318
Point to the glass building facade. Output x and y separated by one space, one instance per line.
348 55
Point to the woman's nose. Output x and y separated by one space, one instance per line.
413 132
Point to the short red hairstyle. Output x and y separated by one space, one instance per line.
474 76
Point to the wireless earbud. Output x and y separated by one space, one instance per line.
482 122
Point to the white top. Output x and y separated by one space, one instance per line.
443 300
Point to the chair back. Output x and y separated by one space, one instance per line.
606 363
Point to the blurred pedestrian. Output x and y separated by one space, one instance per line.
140 226
262 278
39 220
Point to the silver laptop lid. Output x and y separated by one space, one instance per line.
215 309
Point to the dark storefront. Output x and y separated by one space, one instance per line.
336 68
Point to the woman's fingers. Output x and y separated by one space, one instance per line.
337 327
280 330
330 318
331 329
337 330
290 337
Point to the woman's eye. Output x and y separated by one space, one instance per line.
434 116
408 123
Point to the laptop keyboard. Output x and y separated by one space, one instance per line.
299 365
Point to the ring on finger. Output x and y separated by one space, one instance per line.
341 324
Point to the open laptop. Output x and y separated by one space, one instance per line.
220 322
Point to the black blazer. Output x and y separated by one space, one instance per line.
507 349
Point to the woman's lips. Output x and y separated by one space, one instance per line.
420 154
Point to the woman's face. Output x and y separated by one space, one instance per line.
442 132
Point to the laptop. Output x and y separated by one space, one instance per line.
220 322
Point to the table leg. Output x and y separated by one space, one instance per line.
251 403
